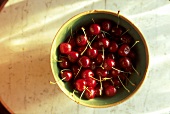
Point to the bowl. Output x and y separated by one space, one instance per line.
141 66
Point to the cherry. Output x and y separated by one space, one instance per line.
72 42
81 49
124 50
97 91
106 84
101 72
73 56
64 62
100 36
81 40
92 52
110 91
113 46
106 26
91 82
66 75
99 58
65 48
104 42
84 61
95 45
116 31
126 39
80 84
115 73
94 29
125 62
75 69
108 64
116 82
87 73
93 64
132 55
90 93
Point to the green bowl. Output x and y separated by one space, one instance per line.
142 52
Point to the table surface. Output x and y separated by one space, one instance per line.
27 29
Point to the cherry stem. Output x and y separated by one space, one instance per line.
130 81
93 20
83 92
135 70
71 35
125 32
87 45
123 85
101 87
103 59
112 81
53 82
120 70
94 78
118 18
63 78
134 44
78 72
105 32
86 36
64 70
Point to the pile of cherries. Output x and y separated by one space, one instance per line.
97 59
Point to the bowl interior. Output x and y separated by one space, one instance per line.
142 60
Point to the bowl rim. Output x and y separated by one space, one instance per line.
110 12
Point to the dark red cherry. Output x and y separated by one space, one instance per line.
75 69
115 73
73 56
113 46
66 75
72 42
81 40
106 26
90 93
64 62
108 64
124 50
91 82
93 64
110 91
100 58
65 48
110 56
95 29
125 62
84 61
106 84
101 72
80 49
127 39
80 84
92 52
132 55
116 82
104 42
100 35
116 31
87 73
97 91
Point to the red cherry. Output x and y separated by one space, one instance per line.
73 56
106 84
116 82
72 42
90 93
110 91
125 62
115 73
101 72
92 52
93 64
80 84
81 40
64 63
116 31
84 61
75 69
132 55
65 48
95 29
100 36
110 56
80 49
100 58
106 26
91 82
97 91
66 75
108 64
113 46
87 73
127 39
104 42
124 50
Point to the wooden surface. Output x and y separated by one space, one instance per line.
27 29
